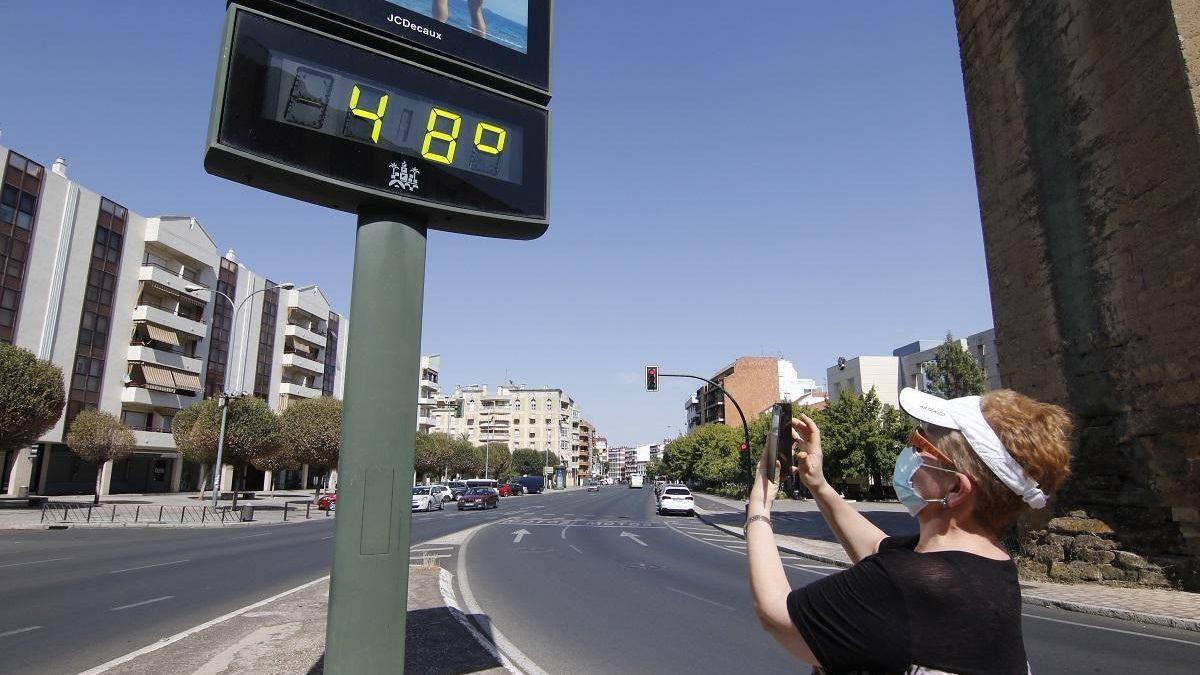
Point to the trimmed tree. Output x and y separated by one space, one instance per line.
497 458
431 454
99 437
311 433
953 372
31 397
527 462
197 444
251 431
861 438
466 460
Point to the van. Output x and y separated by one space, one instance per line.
533 484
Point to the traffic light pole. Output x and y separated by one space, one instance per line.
368 589
745 427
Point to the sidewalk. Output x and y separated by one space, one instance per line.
800 529
286 635
167 510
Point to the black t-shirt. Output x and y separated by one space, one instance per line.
950 611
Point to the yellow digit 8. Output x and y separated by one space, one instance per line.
376 116
495 148
433 134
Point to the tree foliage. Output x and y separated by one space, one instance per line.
861 437
31 397
709 454
527 462
310 433
953 372
466 460
251 433
431 453
99 437
498 459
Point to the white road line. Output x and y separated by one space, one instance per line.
19 631
146 567
325 538
711 602
576 548
33 562
251 536
105 667
139 604
563 534
431 555
1113 630
433 548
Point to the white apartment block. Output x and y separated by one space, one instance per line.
861 373
105 294
428 392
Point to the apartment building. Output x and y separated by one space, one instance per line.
428 392
583 450
616 463
906 368
756 382
124 304
599 457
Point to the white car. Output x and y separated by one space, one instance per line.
442 492
677 499
424 499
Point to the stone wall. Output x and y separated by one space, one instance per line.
1083 122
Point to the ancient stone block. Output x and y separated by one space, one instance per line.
1032 569
1131 561
1083 571
1092 541
1060 572
1048 553
1060 539
1110 573
1077 514
1152 578
1094 556
1079 526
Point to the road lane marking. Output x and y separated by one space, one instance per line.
434 548
146 567
109 665
635 538
1114 630
19 631
329 537
139 604
711 602
251 536
518 535
563 534
34 562
576 548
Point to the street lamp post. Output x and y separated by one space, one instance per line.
226 394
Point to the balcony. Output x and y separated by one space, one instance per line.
164 277
299 390
424 422
157 399
297 361
164 358
168 320
153 439
302 333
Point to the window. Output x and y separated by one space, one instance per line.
20 190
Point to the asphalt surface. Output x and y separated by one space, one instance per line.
73 599
580 594
578 582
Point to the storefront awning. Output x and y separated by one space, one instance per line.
160 334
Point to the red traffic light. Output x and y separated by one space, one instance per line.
651 378
743 448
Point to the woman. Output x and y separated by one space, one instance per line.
946 600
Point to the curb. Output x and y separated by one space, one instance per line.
1028 599
154 525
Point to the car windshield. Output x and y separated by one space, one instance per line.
479 491
420 491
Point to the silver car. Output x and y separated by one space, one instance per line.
424 499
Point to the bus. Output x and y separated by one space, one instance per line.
482 482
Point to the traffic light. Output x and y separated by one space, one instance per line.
744 448
651 378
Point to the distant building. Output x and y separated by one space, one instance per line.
756 382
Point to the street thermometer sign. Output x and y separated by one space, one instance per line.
309 113
414 115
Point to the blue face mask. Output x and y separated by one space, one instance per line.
907 463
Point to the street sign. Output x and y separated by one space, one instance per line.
318 118
508 37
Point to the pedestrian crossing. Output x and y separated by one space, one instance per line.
721 539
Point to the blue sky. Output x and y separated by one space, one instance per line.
793 181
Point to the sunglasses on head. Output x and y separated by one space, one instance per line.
925 445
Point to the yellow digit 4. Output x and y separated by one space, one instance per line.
433 134
497 146
376 116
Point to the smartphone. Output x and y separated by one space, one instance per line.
779 440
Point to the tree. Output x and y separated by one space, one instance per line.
466 460
861 438
197 444
527 462
310 432
31 397
251 432
953 372
497 458
655 468
720 457
99 437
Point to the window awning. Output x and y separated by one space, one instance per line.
188 381
160 334
159 377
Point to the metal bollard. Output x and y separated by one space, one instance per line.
286 508
160 510
137 513
182 513
308 511
203 514
64 512
89 516
43 513
223 517
113 519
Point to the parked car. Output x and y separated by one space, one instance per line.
517 488
457 487
533 484
479 498
423 499
678 499
327 502
441 492
504 490
593 486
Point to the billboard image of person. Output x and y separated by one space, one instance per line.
505 22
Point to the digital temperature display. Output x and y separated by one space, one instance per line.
321 119
375 114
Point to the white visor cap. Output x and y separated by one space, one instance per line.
965 415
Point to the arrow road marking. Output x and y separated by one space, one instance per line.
518 535
635 538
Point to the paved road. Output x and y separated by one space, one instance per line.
72 599
602 584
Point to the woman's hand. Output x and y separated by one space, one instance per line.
764 488
807 456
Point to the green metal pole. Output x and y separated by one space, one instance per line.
368 590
